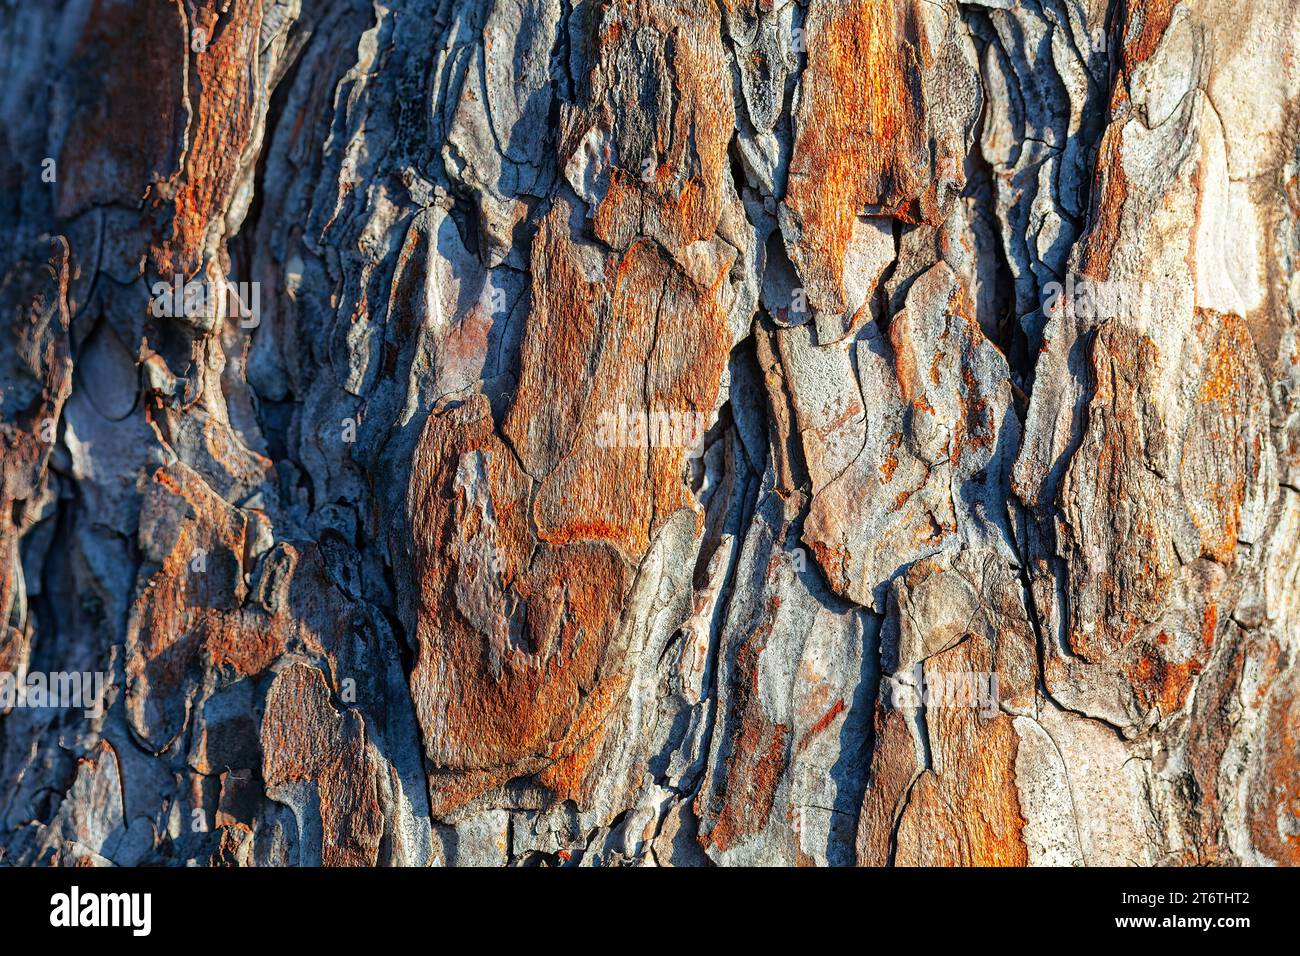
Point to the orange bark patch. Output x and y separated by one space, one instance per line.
223 100
509 638
194 621
741 800
823 722
964 810
1222 453
1109 498
604 363
127 137
1274 809
662 87
1144 28
1111 186
1162 683
861 142
305 739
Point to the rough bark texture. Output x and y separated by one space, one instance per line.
371 582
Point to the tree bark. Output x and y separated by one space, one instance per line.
808 432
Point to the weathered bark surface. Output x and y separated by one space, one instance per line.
370 580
